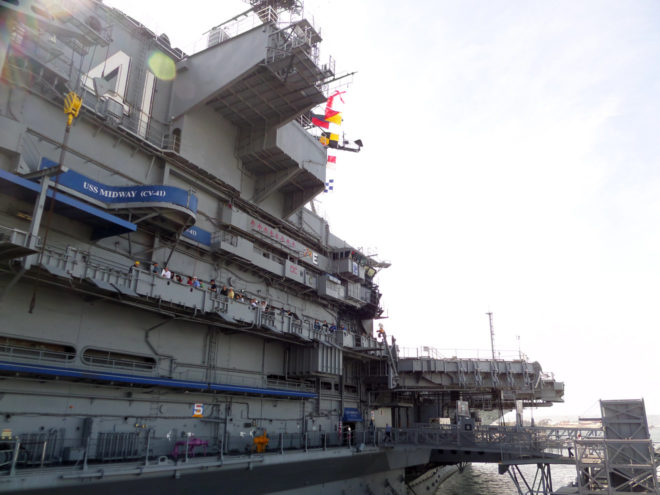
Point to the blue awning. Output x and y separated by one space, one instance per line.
103 223
172 203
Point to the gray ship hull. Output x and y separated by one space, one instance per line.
170 308
328 472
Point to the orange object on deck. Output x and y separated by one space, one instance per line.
261 442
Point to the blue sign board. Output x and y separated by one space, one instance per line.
351 415
200 235
124 194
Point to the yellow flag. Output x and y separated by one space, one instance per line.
335 119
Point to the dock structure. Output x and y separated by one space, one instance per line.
624 460
616 458
508 446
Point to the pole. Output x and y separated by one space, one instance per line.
492 334
72 104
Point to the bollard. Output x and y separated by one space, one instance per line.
14 458
43 453
86 454
146 454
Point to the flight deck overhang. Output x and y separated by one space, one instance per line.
261 78
519 379
103 223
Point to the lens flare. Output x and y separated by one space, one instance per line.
162 66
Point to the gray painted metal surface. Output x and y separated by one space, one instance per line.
110 369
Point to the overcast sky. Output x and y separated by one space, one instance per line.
510 165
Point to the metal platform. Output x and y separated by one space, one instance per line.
14 244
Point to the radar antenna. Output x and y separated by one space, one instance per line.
265 8
492 334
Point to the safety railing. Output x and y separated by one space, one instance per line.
25 451
427 352
111 275
15 237
508 441
187 372
50 449
114 364
20 353
35 44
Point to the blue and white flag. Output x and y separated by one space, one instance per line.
329 186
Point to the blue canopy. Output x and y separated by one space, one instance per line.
104 224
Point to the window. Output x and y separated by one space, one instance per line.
106 358
35 349
176 140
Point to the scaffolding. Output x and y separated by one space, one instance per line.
623 461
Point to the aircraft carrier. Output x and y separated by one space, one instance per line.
173 318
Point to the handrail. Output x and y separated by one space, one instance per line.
31 353
428 352
505 442
80 263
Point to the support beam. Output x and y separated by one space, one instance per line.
38 210
277 180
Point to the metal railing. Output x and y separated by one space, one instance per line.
45 449
17 237
19 353
28 450
121 364
507 441
427 352
186 372
81 264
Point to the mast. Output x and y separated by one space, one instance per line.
492 334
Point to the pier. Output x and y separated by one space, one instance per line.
618 458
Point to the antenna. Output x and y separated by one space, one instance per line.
492 334
266 9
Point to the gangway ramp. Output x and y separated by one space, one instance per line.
505 445
508 446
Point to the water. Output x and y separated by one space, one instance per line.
483 479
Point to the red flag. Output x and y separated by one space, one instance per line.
332 159
331 99
320 123
329 113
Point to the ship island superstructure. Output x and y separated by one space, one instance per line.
168 306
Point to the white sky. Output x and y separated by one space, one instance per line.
510 165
